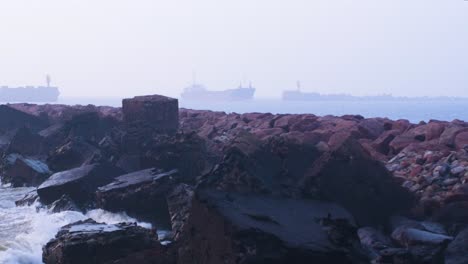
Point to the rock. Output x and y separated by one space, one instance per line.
65 203
461 140
458 195
187 153
373 240
89 126
141 194
22 171
179 203
158 112
407 236
95 243
372 128
78 183
349 176
251 165
26 143
237 228
450 133
74 153
452 213
429 131
28 199
458 170
425 241
457 250
11 118
382 143
402 141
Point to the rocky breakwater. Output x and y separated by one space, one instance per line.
242 188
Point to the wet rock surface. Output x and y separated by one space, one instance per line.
141 194
95 243
237 228
79 184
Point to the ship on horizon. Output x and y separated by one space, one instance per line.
30 94
198 92
299 95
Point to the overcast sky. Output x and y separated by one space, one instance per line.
129 47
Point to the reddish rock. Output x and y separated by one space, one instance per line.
382 143
268 132
461 140
402 141
372 128
447 138
428 131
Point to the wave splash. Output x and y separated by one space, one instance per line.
25 230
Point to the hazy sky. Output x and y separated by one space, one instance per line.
129 47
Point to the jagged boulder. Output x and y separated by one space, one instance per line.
349 176
72 154
23 171
236 228
141 194
11 118
79 183
96 243
457 250
26 143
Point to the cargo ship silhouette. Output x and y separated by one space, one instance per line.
30 94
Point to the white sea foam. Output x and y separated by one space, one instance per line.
25 230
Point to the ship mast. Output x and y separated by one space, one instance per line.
298 84
48 80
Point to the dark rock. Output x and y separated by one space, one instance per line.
141 194
251 165
350 177
187 153
74 153
11 118
79 183
179 203
373 239
457 250
159 113
94 243
65 203
129 163
22 171
237 228
452 213
26 143
425 241
28 199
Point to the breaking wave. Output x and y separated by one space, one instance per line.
25 230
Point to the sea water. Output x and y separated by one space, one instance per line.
25 230
413 110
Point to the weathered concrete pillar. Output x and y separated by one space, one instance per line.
157 112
